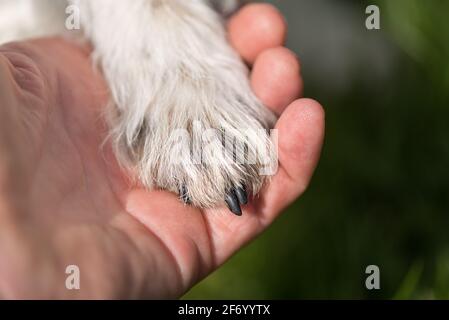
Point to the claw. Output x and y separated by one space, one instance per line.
233 203
242 195
184 195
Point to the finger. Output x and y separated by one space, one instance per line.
276 78
300 133
255 28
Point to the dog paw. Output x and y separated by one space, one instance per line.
184 118
209 167
208 163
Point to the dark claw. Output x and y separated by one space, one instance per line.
184 195
242 195
233 203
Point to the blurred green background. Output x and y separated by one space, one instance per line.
380 194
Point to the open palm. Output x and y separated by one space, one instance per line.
64 200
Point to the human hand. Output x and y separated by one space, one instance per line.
64 200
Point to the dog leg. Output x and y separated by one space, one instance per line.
185 118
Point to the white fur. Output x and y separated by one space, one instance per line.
170 67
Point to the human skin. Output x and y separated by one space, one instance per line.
65 201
